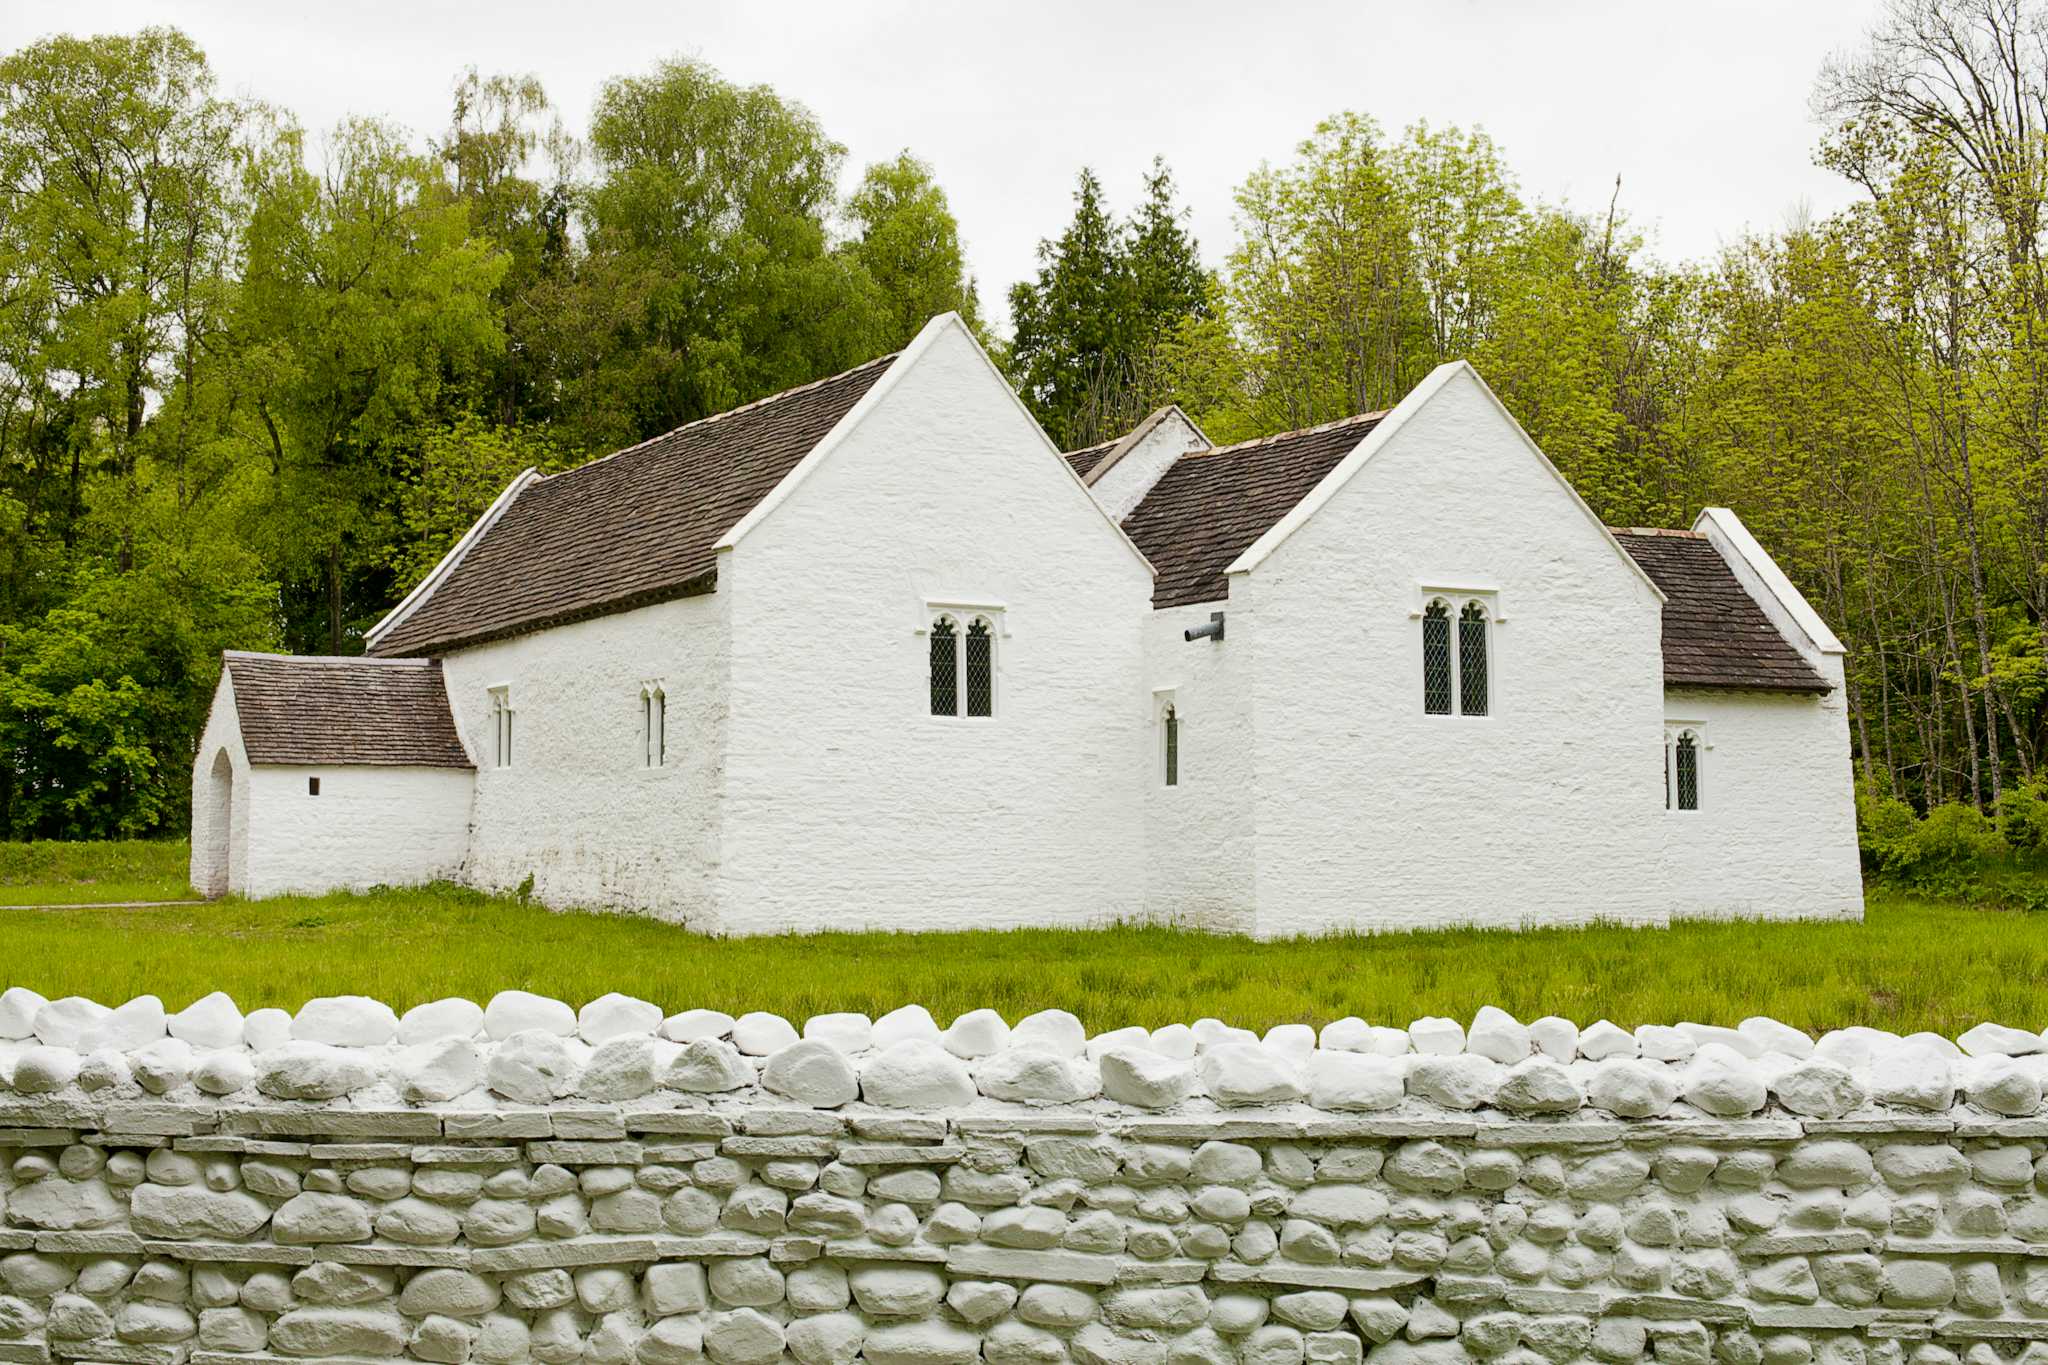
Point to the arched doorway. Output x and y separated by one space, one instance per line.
213 829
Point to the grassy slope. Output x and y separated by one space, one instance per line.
52 873
1913 964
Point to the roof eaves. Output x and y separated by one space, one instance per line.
424 589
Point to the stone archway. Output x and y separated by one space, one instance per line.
213 828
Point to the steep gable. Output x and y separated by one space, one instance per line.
636 527
1715 634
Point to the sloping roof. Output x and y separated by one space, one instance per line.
1084 460
1211 505
385 712
1715 634
635 527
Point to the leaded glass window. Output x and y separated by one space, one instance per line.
981 676
1472 660
1436 660
1172 723
1688 768
945 668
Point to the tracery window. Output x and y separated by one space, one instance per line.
1472 660
945 668
1436 659
1456 680
1685 771
1170 722
981 677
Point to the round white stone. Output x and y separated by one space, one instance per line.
1054 1031
1131 1036
916 1074
208 1023
616 1016
453 1017
1555 1037
1606 1039
850 1033
761 1034
977 1033
1291 1040
1999 1040
811 1072
513 1012
1772 1036
345 1021
691 1025
1246 1073
1497 1034
1721 1081
266 1029
1173 1040
1355 1080
1349 1034
18 1006
438 1071
1150 1080
1436 1036
904 1024
72 1022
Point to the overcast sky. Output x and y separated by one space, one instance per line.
1701 108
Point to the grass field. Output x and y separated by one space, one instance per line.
51 873
1914 963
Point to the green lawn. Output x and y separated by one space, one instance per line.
1914 964
52 873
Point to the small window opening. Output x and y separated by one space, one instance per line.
501 726
1472 660
312 786
1687 766
1436 659
981 678
945 668
1172 722
653 726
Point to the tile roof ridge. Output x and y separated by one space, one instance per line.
1674 532
261 656
761 402
1353 420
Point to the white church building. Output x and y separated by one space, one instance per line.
872 653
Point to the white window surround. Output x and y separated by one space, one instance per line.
962 610
1455 601
1165 703
653 725
1703 745
501 725
1427 590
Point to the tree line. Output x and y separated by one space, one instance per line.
255 379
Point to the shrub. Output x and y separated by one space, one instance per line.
2023 815
1945 852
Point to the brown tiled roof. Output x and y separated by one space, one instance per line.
344 711
1082 461
1715 634
632 528
1210 506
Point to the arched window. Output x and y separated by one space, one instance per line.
501 725
1685 770
653 725
1170 721
945 669
1472 660
981 668
1436 659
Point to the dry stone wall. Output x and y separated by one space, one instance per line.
525 1181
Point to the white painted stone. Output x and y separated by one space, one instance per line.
1555 1037
163 1066
1290 1040
513 1012
1818 1088
1030 1075
136 1024
1384 1041
437 1071
2001 1085
1934 1042
1856 1047
1735 1040
1721 1081
1539 1085
916 1073
1355 1080
18 1007
1349 1034
691 1025
760 1034
1436 1036
1140 1076
850 1033
1247 1073
437 1020
1632 1088
811 1072
1455 1081
904 1024
208 1023
1769 1035
1999 1040
613 1015
533 1067
312 1071
1664 1043
265 1029
1131 1036
73 1022
43 1069
1173 1040
708 1066
1605 1039
1499 1035
345 1021
1054 1031
1914 1076
977 1033
102 1069
226 1072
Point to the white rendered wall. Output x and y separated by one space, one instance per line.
849 804
1372 815
1201 846
370 826
1124 484
578 810
212 874
1775 834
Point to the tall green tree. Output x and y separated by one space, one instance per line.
907 241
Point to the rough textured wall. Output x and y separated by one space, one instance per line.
369 826
1124 484
844 793
526 1181
1201 845
578 811
1373 815
1775 834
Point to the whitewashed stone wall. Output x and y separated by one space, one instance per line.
526 1181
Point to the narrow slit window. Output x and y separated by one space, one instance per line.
653 726
945 666
312 786
1436 660
501 726
1172 723
1472 693
1687 765
981 679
